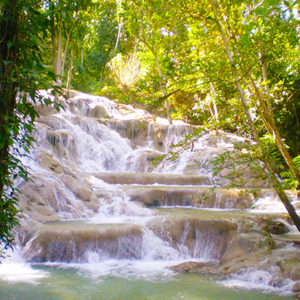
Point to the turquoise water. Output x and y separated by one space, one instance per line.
73 284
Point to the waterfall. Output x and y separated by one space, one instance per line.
104 200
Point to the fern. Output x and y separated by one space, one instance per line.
289 181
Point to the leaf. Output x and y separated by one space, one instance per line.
287 3
10 44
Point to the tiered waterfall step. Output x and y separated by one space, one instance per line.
192 196
154 178
165 236
74 241
160 189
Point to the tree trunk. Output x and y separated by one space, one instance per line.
273 130
9 62
167 105
235 73
53 37
282 195
69 72
118 36
8 87
215 109
268 166
63 60
58 66
67 43
267 113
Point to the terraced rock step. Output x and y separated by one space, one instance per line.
73 241
194 196
154 178
181 237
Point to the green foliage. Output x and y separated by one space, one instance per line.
23 72
244 156
180 48
271 150
187 143
289 180
96 31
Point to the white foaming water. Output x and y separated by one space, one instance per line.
271 203
15 269
84 104
119 209
157 256
264 280
199 153
78 144
129 269
97 147
154 248
135 161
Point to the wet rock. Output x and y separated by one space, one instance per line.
38 203
53 137
242 262
152 178
27 230
202 238
140 161
233 198
196 267
294 273
98 111
153 197
47 199
72 93
296 287
241 245
63 243
135 130
45 110
82 191
242 176
277 227
128 110
158 135
290 265
61 142
50 163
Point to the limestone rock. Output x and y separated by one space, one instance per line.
72 243
50 163
81 190
98 112
196 267
203 238
296 289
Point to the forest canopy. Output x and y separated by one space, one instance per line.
170 57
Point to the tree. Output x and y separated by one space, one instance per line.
65 18
266 115
232 31
98 47
152 24
22 73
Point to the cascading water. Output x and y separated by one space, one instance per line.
96 201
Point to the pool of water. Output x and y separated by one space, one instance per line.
62 282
